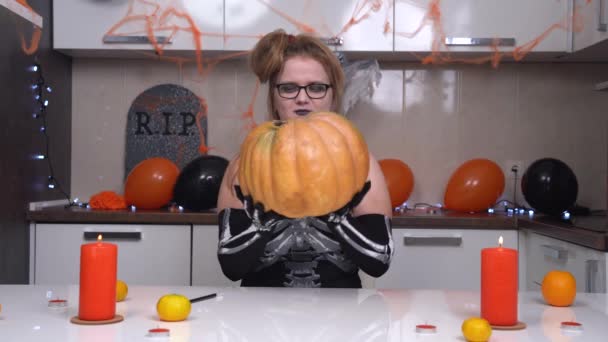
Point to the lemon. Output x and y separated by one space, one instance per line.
121 290
173 307
476 329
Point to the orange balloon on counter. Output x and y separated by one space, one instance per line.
399 180
150 183
475 186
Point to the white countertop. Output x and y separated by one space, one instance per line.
276 314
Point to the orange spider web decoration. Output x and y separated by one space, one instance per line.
29 46
151 17
440 53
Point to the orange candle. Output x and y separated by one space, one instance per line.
97 299
499 285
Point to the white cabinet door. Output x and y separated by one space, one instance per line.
544 254
522 21
247 21
147 254
593 15
82 24
206 270
440 258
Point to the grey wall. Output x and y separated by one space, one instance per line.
23 180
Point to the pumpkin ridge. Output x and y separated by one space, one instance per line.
296 161
265 178
337 190
353 165
337 121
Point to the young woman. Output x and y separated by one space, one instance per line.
267 249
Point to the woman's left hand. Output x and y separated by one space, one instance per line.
338 215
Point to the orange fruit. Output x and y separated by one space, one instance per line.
559 288
173 307
121 290
476 329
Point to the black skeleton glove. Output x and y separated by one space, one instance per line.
338 215
264 221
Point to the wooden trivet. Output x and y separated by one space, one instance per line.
517 326
116 319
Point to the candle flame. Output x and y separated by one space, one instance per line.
500 241
99 237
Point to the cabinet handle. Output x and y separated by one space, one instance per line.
135 236
555 252
594 283
601 25
450 241
110 39
468 41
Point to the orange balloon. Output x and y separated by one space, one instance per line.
150 184
399 180
474 186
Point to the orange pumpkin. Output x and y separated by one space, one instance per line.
559 288
306 166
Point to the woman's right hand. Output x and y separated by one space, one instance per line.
263 220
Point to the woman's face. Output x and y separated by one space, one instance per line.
300 71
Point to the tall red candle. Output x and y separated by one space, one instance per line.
499 285
97 299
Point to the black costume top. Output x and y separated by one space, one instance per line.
306 252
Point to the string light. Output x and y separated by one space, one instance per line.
40 88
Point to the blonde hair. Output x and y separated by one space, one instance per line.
270 53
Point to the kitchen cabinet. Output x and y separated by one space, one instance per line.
147 254
80 26
593 15
206 270
441 258
544 254
247 21
518 22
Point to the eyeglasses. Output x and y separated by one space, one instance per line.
292 90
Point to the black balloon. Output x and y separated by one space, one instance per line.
549 186
198 184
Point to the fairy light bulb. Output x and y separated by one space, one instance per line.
51 183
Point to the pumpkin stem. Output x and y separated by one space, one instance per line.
278 123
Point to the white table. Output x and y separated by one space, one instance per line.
265 314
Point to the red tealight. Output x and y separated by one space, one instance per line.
426 329
158 332
572 326
58 303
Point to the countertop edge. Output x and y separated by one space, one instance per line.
583 237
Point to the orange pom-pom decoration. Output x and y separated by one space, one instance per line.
107 200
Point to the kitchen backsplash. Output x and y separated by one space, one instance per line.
434 118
